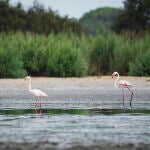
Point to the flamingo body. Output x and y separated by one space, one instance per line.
36 92
123 84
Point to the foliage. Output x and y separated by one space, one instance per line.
65 58
10 63
67 55
140 65
101 53
111 52
135 16
55 55
100 20
41 43
35 20
123 55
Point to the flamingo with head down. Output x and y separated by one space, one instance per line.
35 92
123 84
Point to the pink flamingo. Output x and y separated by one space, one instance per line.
37 93
123 84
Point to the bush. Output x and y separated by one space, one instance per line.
39 55
34 54
101 54
140 64
140 67
10 65
123 54
67 55
65 59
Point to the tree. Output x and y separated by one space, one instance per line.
135 16
35 20
100 20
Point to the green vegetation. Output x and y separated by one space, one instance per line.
10 62
141 64
66 55
35 20
134 17
110 52
55 55
100 20
41 43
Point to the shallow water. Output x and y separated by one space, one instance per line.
72 117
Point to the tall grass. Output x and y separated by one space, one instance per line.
67 55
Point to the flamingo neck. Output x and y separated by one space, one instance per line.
116 81
29 84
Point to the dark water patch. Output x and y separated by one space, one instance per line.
76 111
73 146
121 111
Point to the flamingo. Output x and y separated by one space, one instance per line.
123 84
35 92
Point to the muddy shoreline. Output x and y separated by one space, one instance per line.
85 82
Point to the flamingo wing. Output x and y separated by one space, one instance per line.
124 83
38 93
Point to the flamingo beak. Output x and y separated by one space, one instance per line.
112 75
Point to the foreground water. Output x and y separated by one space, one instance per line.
73 117
69 126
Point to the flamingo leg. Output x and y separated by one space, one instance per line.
40 111
131 96
40 102
36 102
123 96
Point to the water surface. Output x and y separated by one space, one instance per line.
75 117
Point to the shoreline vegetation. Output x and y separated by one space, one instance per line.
70 55
39 42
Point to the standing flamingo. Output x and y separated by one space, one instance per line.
123 84
37 93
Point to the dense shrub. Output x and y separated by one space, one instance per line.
123 54
39 55
67 55
111 52
10 65
141 65
34 54
103 53
66 62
